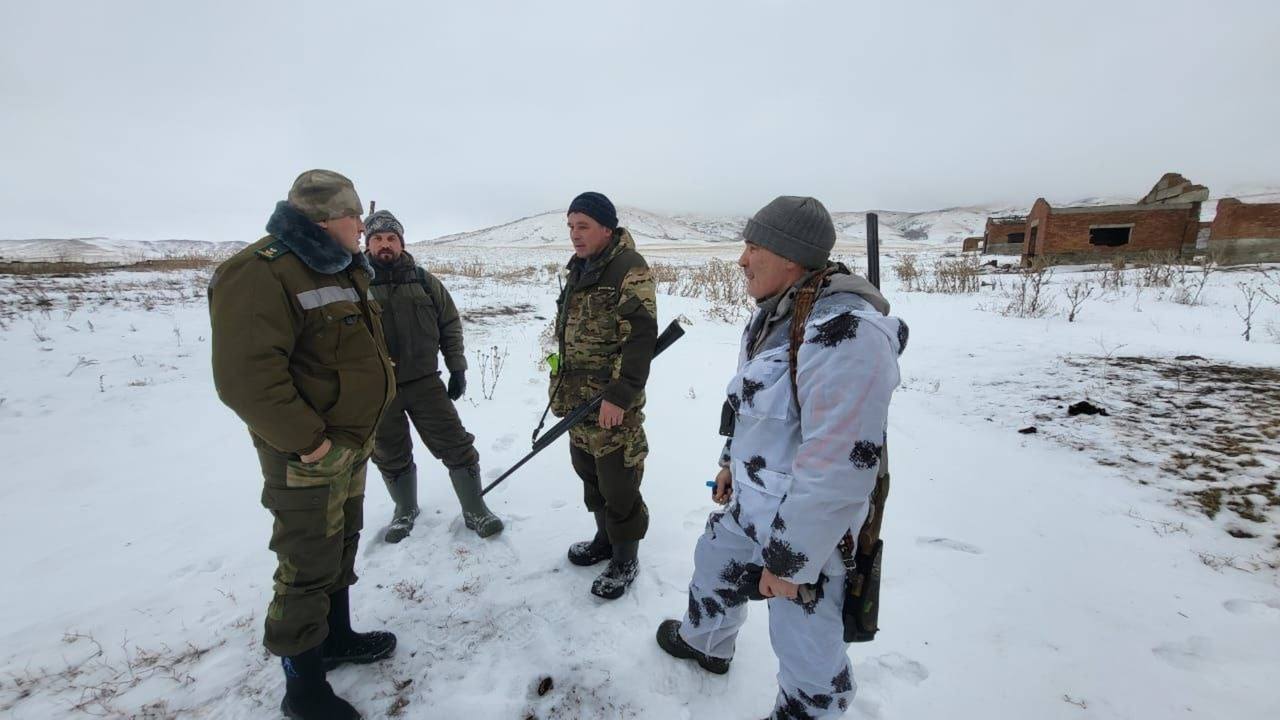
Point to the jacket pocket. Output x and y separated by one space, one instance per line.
763 387
289 499
759 493
321 473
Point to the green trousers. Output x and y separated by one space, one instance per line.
319 511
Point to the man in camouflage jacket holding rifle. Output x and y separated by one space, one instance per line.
607 329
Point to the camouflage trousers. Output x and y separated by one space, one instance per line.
815 679
319 511
611 466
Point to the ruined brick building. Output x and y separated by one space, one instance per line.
1166 221
1004 235
1245 232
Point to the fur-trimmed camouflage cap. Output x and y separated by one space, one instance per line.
325 195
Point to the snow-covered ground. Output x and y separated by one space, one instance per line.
1063 574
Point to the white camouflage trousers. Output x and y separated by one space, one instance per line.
815 679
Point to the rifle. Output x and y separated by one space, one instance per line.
862 579
668 338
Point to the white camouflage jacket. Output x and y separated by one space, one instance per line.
803 474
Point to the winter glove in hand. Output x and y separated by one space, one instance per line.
457 384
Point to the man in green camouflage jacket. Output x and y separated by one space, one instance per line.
298 354
607 328
421 323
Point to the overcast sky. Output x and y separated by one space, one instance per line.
149 120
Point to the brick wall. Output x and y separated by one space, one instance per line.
1155 229
1245 232
997 233
1245 220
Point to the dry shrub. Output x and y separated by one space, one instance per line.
1157 268
719 282
472 268
1026 297
907 270
954 276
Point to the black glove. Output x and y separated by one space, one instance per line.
457 384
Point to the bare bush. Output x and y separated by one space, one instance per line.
1077 294
1026 297
720 282
472 268
907 270
954 276
491 363
1270 289
1157 268
1191 282
1113 277
1252 299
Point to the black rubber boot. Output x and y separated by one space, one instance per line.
622 571
307 695
345 645
475 514
595 550
403 488
669 640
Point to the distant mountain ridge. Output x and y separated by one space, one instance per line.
109 250
904 230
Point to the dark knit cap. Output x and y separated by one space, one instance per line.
383 221
597 207
797 228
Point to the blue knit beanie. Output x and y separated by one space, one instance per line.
597 207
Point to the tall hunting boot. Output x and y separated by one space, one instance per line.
345 645
475 514
622 571
403 489
595 550
307 694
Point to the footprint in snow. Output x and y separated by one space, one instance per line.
950 544
892 665
1190 654
504 443
1258 608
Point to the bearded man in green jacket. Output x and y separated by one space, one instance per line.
421 323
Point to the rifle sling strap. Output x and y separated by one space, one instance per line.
801 306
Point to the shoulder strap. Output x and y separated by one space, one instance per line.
421 272
273 250
869 534
801 306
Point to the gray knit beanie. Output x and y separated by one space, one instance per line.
383 221
797 228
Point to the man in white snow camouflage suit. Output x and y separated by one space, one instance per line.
799 469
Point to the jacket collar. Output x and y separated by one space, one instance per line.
311 243
777 308
586 271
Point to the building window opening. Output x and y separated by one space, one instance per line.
1109 236
1016 237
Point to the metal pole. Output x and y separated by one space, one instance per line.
873 248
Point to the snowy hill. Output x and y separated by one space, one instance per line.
901 230
648 229
108 250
